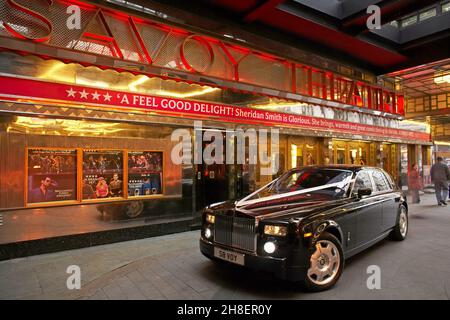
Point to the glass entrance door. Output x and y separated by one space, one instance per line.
303 152
311 154
386 158
340 148
219 182
351 152
358 153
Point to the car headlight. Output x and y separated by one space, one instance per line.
208 233
210 218
275 230
270 247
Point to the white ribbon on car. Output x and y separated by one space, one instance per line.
244 201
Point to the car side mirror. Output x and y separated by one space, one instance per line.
364 192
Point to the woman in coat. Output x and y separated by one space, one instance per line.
415 183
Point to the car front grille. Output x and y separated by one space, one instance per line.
235 232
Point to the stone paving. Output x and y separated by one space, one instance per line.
171 267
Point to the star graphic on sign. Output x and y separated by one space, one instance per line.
107 97
84 94
95 95
71 93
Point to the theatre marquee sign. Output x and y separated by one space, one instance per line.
23 89
129 38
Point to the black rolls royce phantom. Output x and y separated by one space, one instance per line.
303 225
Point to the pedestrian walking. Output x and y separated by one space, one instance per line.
440 174
414 183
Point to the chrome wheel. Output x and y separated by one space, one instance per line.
403 222
325 263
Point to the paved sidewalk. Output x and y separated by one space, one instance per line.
171 267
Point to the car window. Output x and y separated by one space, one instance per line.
381 183
362 181
312 180
389 178
309 179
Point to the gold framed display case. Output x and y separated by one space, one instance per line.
70 139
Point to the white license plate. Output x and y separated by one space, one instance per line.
229 256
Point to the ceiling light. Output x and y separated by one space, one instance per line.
444 143
187 94
142 79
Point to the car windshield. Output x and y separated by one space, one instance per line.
332 183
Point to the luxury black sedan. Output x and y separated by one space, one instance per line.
303 225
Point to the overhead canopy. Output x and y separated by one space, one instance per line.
412 33
428 90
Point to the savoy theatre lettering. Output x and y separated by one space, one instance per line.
124 37
22 89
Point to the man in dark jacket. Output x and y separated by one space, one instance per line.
44 193
439 176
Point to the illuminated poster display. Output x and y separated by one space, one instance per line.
102 174
144 173
52 175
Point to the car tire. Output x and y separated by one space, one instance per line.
400 230
326 264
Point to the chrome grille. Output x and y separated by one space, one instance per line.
235 232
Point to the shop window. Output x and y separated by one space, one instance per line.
51 175
145 173
102 174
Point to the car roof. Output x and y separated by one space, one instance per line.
350 167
